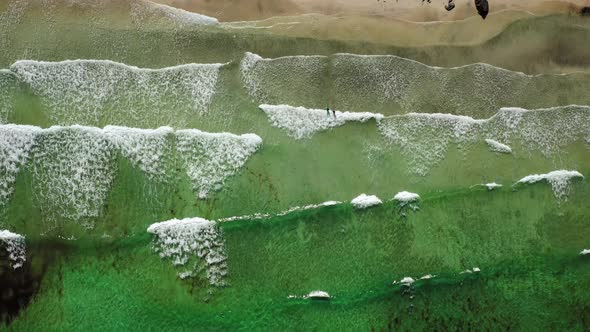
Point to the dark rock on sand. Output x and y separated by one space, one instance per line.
483 8
450 6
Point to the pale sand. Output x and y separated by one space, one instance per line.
405 23
414 10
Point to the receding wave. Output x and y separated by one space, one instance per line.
99 92
15 146
74 167
293 80
8 88
393 85
425 138
194 244
139 13
423 233
468 31
15 246
144 13
300 122
559 181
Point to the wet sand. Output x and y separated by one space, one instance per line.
391 31
516 40
414 10
404 23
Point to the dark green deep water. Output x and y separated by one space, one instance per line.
91 265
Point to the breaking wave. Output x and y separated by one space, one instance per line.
425 138
74 167
394 85
100 92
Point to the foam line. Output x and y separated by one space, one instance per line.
424 138
195 244
559 181
300 122
94 92
74 166
15 246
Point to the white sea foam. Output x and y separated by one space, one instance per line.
559 181
493 185
211 158
73 167
300 122
407 281
136 14
15 247
284 80
454 118
406 197
141 11
73 170
424 138
256 216
94 92
193 243
259 216
310 207
16 142
382 80
250 80
8 88
474 270
147 149
497 146
8 235
10 20
388 78
470 271
317 294
307 207
364 201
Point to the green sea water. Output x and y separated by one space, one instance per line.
84 197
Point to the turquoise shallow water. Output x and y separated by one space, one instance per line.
94 151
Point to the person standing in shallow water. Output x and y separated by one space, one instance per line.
328 110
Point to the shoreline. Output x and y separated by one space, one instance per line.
410 10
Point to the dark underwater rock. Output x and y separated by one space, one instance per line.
17 287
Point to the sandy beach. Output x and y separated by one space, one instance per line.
414 10
405 23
